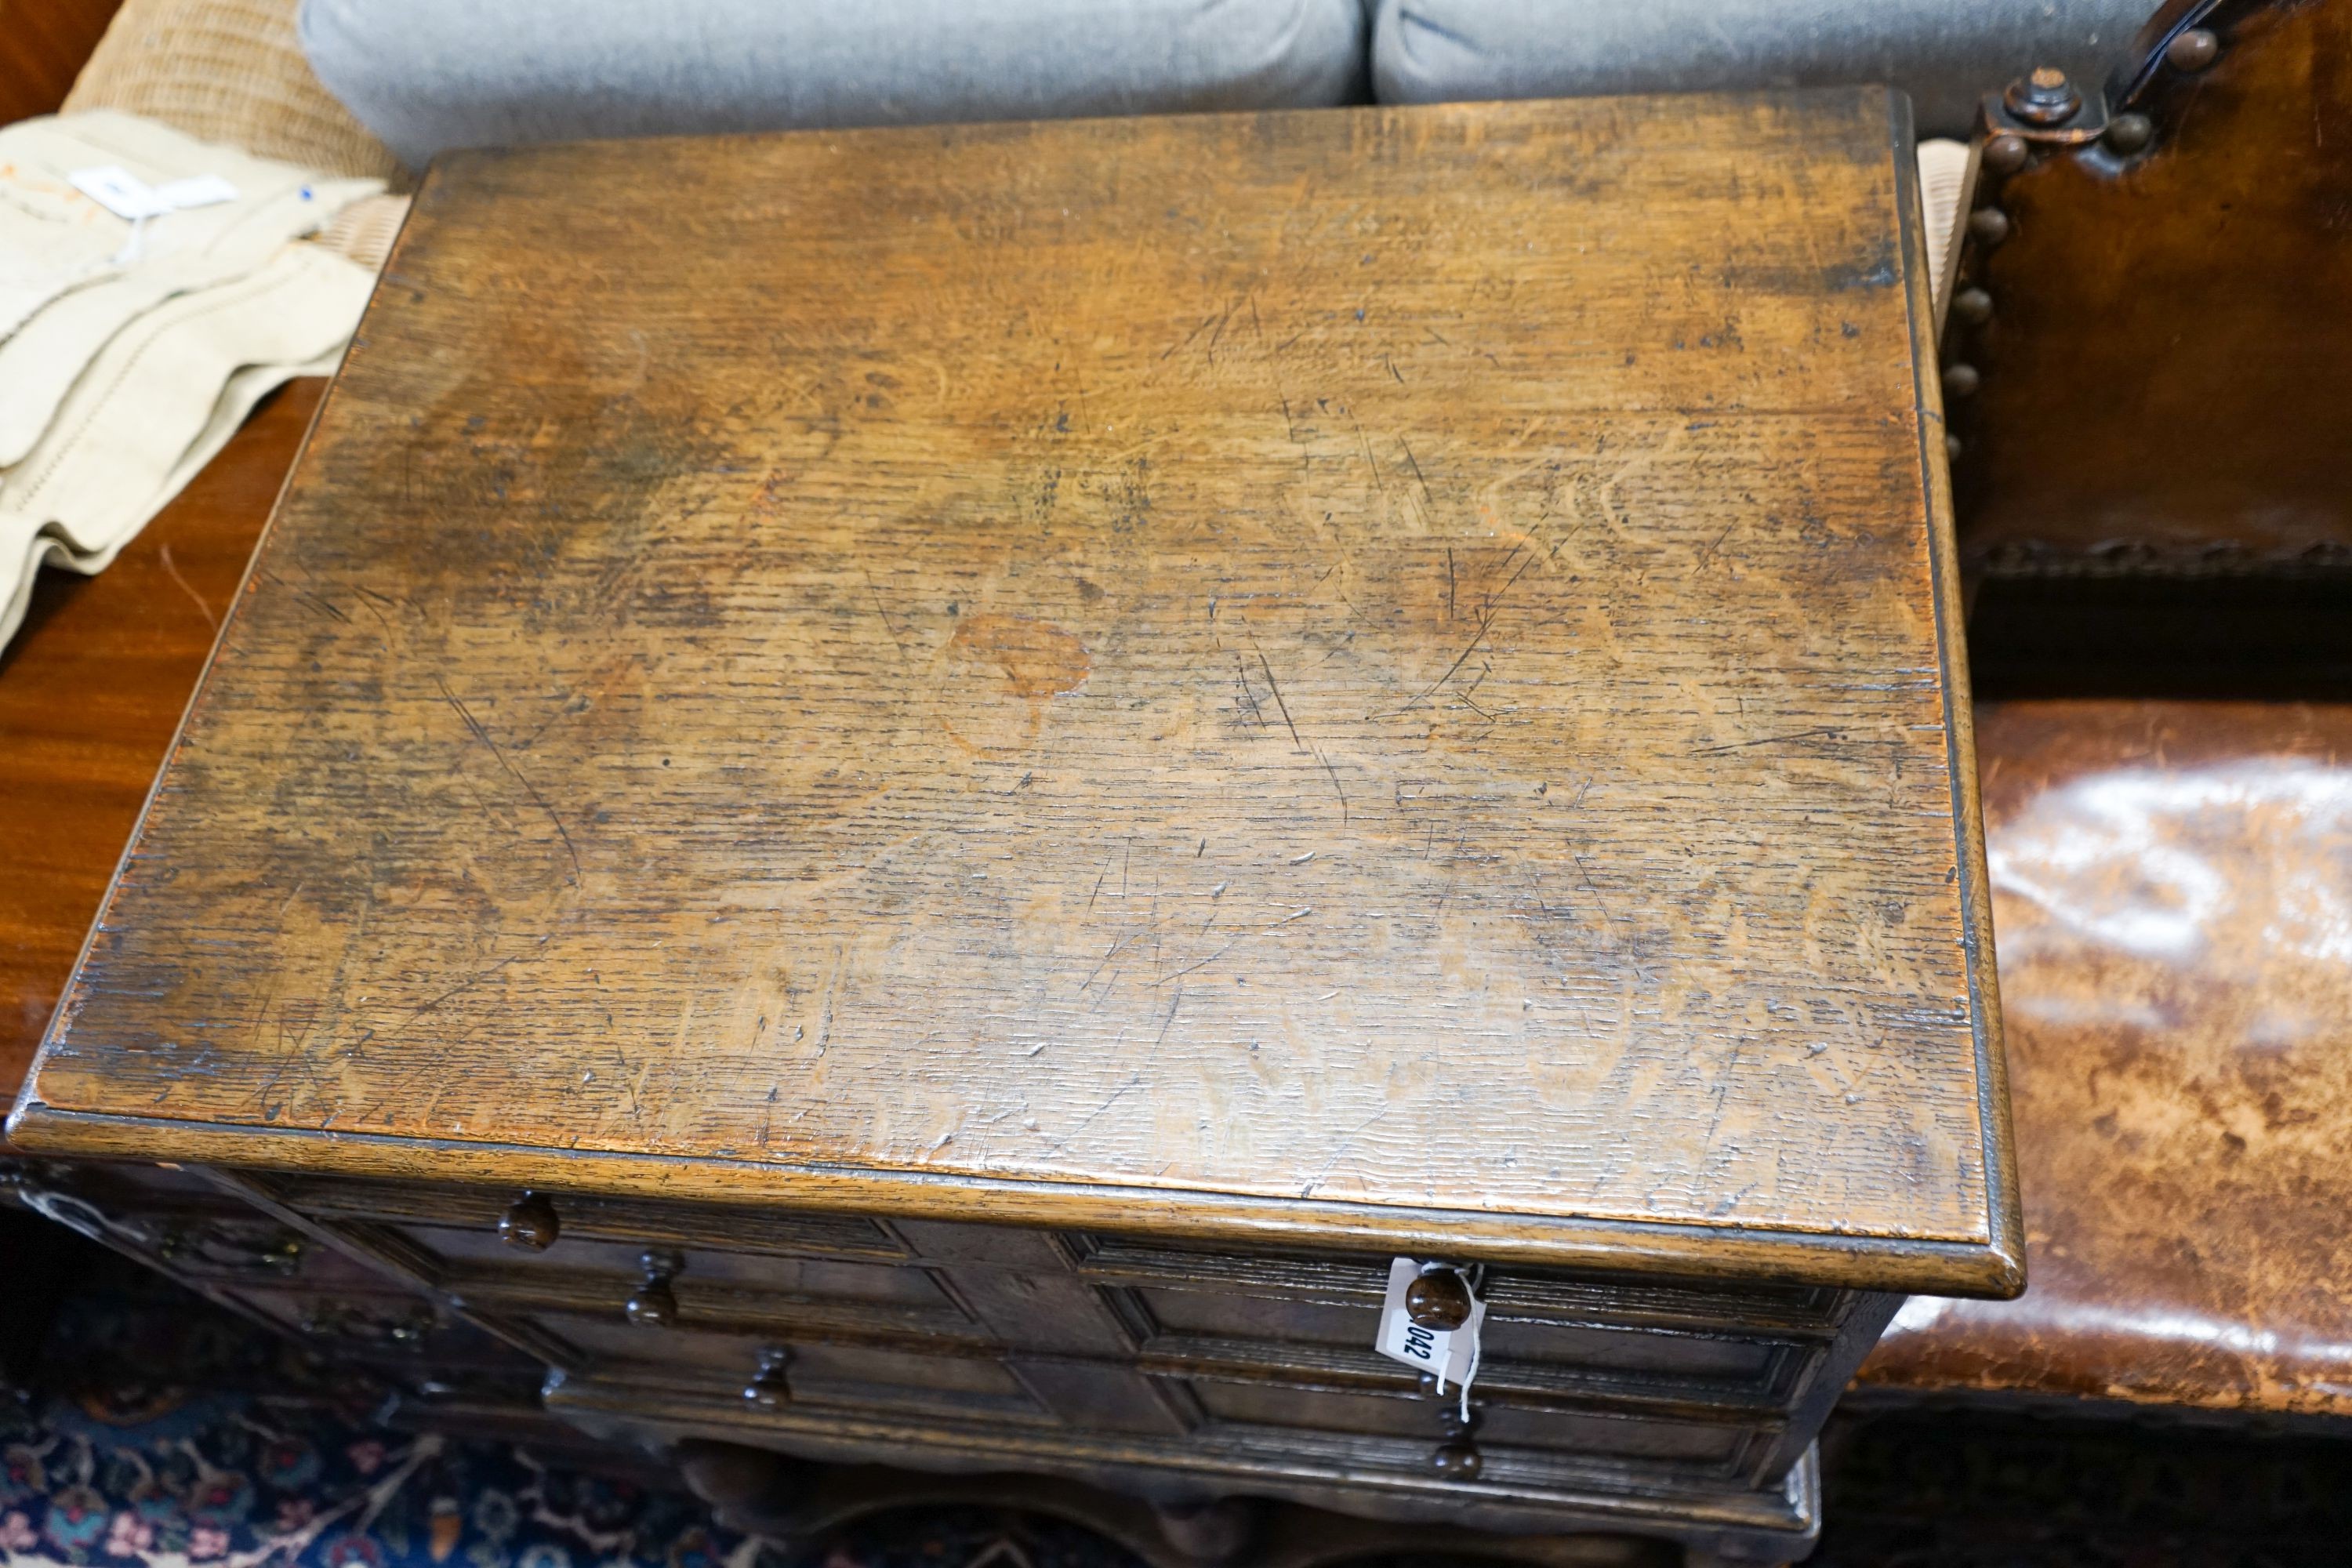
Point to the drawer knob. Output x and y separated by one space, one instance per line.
769 1388
530 1222
1440 1301
654 1305
1456 1461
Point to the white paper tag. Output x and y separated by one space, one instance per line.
1451 1355
196 190
126 195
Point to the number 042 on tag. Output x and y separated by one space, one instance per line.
1451 1355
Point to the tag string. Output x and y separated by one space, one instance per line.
130 251
1474 1277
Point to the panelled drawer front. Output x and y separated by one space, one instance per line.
1208 1315
1546 1340
924 1315
727 1270
471 1253
1716 1445
718 1292
1794 1312
189 1228
646 1222
231 1249
814 1374
405 1330
1248 1431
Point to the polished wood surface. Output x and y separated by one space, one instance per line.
43 46
1380 676
2173 883
90 690
2159 334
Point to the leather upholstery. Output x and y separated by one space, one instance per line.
2173 914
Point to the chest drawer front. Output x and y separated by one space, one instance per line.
406 1331
479 1257
645 1222
1793 1312
1287 1340
1236 1434
1716 1445
793 1375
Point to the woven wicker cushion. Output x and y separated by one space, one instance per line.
426 75
226 70
1944 55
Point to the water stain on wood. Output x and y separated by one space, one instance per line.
1039 659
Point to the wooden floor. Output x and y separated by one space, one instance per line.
90 691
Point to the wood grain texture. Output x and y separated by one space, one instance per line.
43 45
1372 662
90 690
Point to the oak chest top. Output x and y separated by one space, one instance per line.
1380 677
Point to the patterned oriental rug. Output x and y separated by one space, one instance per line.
128 1461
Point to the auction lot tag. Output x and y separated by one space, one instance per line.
126 195
1451 1355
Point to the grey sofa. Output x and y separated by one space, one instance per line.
425 75
1945 53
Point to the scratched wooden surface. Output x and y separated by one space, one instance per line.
90 690
1383 657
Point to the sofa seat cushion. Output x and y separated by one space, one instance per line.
427 75
1944 55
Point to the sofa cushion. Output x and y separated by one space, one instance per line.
426 75
226 70
1945 54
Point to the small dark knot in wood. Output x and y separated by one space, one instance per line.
530 1221
1439 1301
654 1305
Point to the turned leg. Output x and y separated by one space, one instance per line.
1208 1533
751 1488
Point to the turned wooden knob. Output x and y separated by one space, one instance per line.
1439 1301
769 1388
1456 1461
530 1222
655 1305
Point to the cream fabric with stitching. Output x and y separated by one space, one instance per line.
78 261
54 240
158 402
